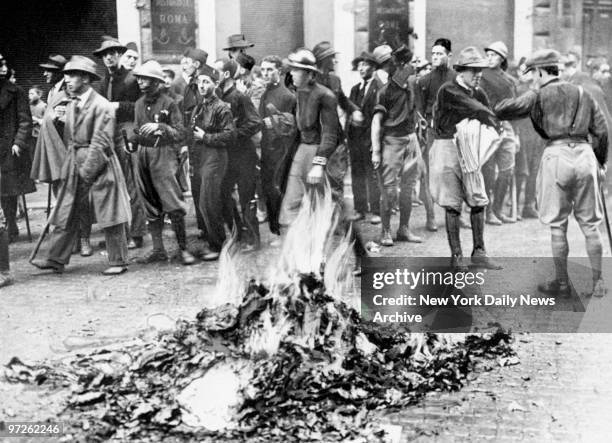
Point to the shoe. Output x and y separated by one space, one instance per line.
49 265
556 287
86 249
404 234
153 256
505 219
386 239
430 225
115 270
481 260
529 212
357 216
416 202
5 279
209 255
458 263
375 220
492 219
186 258
135 243
599 288
262 216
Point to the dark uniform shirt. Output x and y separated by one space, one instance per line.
191 98
247 121
497 85
556 114
123 89
215 118
427 88
159 108
317 119
396 103
455 103
277 99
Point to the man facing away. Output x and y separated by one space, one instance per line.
158 135
572 166
92 177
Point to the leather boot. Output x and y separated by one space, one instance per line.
5 277
504 180
249 215
479 254
385 215
9 206
453 228
178 225
86 249
403 232
158 253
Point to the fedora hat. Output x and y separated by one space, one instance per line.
236 41
323 50
365 57
500 48
471 58
109 43
382 53
303 58
542 58
54 63
78 63
150 69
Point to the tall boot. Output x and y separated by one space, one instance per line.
560 250
5 278
385 214
178 225
488 174
249 214
158 253
479 254
504 180
405 204
594 250
453 228
9 205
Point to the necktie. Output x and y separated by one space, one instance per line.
109 90
361 93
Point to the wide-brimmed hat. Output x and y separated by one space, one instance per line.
470 57
150 69
196 54
107 44
500 48
364 57
79 63
237 41
323 50
382 53
55 62
542 58
303 58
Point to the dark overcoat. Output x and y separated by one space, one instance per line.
15 129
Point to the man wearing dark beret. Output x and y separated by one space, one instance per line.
573 164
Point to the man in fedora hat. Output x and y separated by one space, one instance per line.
499 85
156 141
395 148
50 150
236 44
119 87
459 99
91 174
573 164
319 129
366 195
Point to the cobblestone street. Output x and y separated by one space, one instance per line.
560 390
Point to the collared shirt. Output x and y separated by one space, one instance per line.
81 99
427 88
456 102
555 114
397 105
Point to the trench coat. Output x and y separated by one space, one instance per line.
15 129
92 128
50 150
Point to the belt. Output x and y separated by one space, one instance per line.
107 150
570 141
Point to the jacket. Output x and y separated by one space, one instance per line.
366 106
92 128
247 122
124 90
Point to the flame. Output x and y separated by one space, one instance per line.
231 283
337 276
265 340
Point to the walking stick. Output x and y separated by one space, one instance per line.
514 202
27 217
49 199
606 218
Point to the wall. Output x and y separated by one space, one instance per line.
318 21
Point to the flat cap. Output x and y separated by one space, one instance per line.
245 60
382 53
542 58
196 54
55 62
209 71
323 50
303 58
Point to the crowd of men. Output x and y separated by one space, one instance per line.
114 149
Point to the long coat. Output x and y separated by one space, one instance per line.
50 150
92 129
15 129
